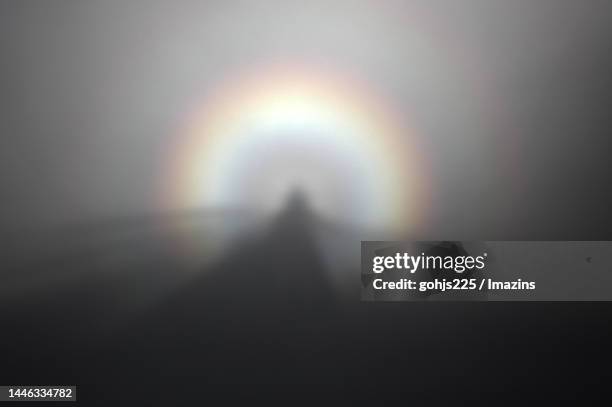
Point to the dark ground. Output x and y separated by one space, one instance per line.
263 324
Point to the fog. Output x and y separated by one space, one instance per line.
508 99
183 186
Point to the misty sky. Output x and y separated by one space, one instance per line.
511 98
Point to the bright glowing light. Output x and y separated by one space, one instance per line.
264 134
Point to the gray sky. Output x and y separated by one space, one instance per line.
511 98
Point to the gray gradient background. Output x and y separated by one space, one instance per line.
510 98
